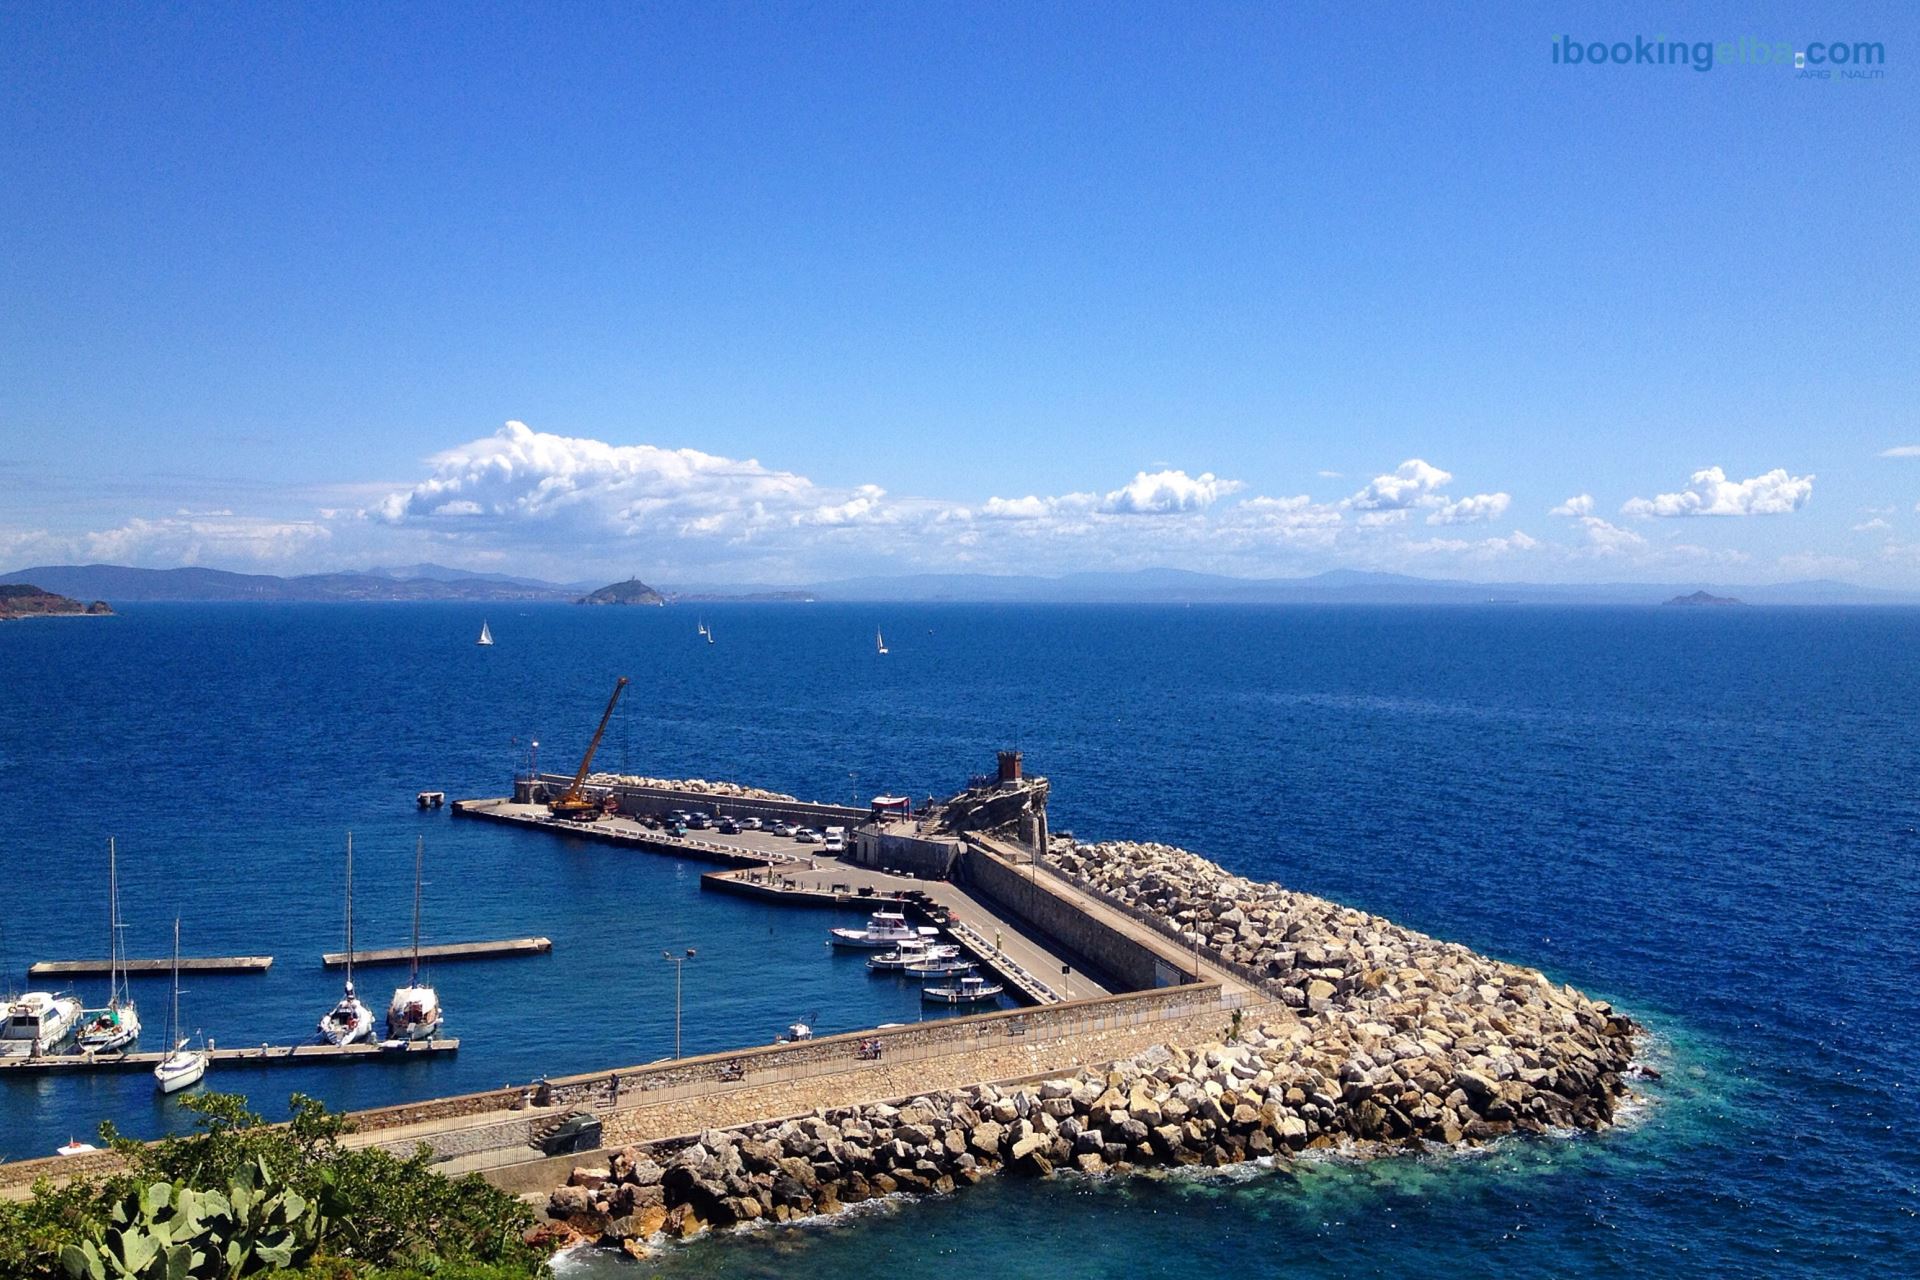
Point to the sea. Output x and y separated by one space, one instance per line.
1709 816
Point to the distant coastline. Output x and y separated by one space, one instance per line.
23 600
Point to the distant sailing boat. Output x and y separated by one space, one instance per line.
703 631
414 1011
349 1020
486 636
117 1025
879 641
182 1066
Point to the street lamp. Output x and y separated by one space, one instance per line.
679 964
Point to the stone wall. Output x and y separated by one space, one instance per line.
1036 902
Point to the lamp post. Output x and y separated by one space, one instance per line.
679 964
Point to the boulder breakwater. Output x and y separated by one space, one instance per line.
1378 1039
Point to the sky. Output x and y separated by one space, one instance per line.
786 292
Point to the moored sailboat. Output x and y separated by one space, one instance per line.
118 1025
182 1067
414 1011
349 1020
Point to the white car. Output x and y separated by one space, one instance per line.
807 835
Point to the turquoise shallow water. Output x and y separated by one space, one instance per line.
1709 817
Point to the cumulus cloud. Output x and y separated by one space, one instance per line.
204 538
1871 526
1168 492
1710 493
1902 451
1478 509
1579 505
1403 487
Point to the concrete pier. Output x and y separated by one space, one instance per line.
304 1055
188 964
442 951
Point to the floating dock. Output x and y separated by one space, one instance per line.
258 1055
188 964
443 951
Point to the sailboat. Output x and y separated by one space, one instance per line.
702 630
879 641
414 1011
117 1025
182 1066
349 1020
486 636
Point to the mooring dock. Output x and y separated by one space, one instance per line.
442 951
188 964
257 1055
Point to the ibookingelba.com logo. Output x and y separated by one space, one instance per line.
1855 58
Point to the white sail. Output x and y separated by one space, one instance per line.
486 636
879 641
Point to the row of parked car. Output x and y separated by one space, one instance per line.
681 821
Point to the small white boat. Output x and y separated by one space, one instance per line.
37 1023
75 1147
884 931
909 952
940 967
414 1011
117 1026
965 991
795 1032
182 1067
879 641
349 1021
486 636
703 632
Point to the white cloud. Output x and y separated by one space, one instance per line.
1403 487
205 538
1871 526
1710 493
1578 505
1902 451
1380 519
1609 539
1331 475
1168 492
1478 509
1482 549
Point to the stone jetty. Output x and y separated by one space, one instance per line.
697 786
1382 1039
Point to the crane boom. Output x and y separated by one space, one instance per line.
574 803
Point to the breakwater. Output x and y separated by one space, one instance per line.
1381 1038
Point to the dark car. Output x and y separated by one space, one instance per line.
728 827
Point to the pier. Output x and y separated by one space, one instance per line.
188 964
442 951
266 1055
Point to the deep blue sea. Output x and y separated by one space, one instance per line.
1711 817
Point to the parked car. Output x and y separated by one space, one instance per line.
807 835
679 828
787 829
577 1132
750 824
699 821
729 827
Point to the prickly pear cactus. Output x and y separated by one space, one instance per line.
165 1232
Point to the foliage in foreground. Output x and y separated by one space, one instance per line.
236 1198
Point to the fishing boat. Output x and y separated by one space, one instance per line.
414 1011
182 1067
879 641
349 1020
118 1025
486 636
940 967
970 990
883 931
37 1023
909 952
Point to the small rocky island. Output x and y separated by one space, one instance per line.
1702 597
23 600
632 591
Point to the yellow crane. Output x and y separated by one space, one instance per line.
574 804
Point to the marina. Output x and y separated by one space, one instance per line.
188 964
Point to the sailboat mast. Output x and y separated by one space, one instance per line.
113 926
173 1025
349 911
419 849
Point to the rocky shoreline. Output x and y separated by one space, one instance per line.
20 600
699 786
1383 1039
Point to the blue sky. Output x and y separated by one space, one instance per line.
791 291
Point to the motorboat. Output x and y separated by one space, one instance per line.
182 1067
37 1022
74 1147
969 990
114 1028
909 952
414 1011
349 1021
883 931
940 967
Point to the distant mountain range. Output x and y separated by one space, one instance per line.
118 584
